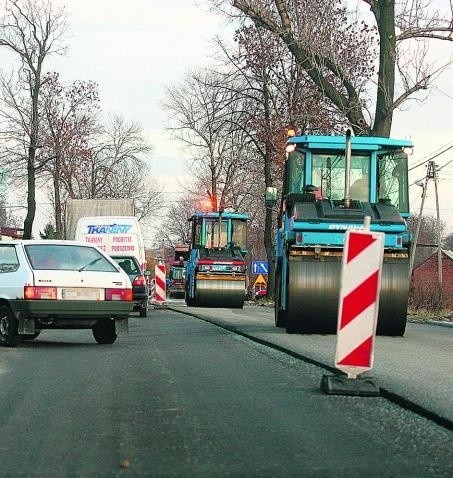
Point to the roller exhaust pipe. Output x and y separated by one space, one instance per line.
347 171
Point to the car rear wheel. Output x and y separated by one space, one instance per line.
104 332
9 336
143 311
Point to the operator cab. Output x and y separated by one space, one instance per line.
378 170
232 227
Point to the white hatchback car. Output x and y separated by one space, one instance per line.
58 284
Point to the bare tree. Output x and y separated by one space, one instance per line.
315 33
202 115
250 103
277 95
176 227
114 164
32 30
233 122
69 122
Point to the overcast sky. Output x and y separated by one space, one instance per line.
134 49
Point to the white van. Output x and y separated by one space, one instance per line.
121 238
115 235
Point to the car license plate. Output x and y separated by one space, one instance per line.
82 293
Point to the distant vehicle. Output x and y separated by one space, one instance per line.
140 288
121 238
216 269
58 284
177 273
260 293
118 236
77 208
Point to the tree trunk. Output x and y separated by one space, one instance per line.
268 222
347 103
56 185
31 170
31 193
213 193
385 17
268 244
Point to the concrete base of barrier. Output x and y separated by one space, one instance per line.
342 385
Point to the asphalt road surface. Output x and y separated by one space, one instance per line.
416 368
182 397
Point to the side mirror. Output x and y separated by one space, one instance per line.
270 198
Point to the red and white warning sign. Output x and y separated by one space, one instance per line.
152 290
160 287
359 301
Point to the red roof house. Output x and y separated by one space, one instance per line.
425 292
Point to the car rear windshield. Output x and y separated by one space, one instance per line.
67 258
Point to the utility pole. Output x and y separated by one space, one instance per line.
429 175
439 235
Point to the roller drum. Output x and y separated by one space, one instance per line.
313 293
312 300
279 313
219 292
394 297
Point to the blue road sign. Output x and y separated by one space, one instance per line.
260 267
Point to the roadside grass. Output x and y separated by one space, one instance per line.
413 315
426 315
262 301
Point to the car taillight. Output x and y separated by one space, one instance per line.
118 294
34 293
139 280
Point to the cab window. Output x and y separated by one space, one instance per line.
295 167
328 175
393 180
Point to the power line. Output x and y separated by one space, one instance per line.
445 94
446 164
431 158
440 168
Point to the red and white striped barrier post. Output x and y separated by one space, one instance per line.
152 290
160 286
358 312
